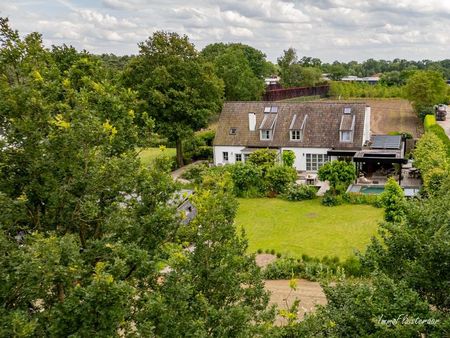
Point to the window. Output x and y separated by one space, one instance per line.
246 156
296 135
233 131
238 157
347 110
225 156
346 136
266 134
315 161
272 109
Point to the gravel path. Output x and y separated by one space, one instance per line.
309 293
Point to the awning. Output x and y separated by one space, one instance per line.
374 159
338 152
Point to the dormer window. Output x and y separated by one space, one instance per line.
267 126
296 135
347 110
347 128
297 128
346 136
233 131
266 134
271 109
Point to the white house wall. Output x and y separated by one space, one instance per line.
300 155
232 150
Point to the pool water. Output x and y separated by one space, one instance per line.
372 190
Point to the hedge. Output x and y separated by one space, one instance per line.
431 125
429 121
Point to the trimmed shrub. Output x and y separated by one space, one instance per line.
279 177
296 192
429 121
358 198
330 200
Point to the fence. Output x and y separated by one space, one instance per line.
289 93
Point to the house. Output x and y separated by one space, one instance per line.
185 208
316 132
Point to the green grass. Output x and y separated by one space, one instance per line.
148 155
307 227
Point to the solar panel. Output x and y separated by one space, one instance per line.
386 142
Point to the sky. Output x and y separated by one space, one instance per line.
342 30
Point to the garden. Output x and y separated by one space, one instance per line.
307 227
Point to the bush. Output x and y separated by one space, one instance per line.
440 133
352 267
330 200
429 121
195 172
247 178
279 177
358 198
296 192
313 268
259 251
263 158
199 147
288 158
339 174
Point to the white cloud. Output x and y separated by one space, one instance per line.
329 29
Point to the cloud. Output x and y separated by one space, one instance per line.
328 29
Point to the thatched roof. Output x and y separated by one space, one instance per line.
320 130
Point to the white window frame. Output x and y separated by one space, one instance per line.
225 156
315 161
266 135
346 132
238 157
296 135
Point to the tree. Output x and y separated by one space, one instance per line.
338 173
294 73
86 230
180 90
241 84
369 308
393 201
215 289
241 67
337 71
425 89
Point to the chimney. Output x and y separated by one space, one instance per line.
251 121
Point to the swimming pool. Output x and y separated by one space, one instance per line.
378 189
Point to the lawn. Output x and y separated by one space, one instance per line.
307 227
148 155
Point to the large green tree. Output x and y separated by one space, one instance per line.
241 67
180 90
425 89
240 82
86 231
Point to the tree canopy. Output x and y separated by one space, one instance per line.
179 89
